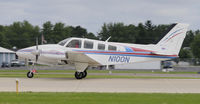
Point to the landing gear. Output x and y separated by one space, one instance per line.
32 71
84 74
81 70
30 74
80 75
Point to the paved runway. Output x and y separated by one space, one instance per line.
102 85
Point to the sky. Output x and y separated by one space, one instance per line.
92 14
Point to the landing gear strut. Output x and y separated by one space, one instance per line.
80 75
31 73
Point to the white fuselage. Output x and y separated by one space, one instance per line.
93 52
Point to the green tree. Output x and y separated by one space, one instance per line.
3 39
104 33
184 53
131 32
118 32
195 46
21 34
150 32
47 31
59 32
78 31
141 37
188 39
147 33
91 36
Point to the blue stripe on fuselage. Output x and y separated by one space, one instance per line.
128 49
131 55
110 51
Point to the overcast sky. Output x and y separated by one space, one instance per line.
91 14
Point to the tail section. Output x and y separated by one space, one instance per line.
173 40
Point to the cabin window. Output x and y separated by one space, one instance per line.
88 44
101 46
74 44
112 48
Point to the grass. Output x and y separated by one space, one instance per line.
97 98
70 74
97 71
23 75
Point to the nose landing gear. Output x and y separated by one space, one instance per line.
30 74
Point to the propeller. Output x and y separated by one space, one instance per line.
37 51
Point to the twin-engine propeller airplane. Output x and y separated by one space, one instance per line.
83 52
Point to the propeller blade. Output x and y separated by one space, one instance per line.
36 58
37 51
26 62
37 43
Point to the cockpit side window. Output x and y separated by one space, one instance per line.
74 43
63 42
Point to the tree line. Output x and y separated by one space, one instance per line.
23 34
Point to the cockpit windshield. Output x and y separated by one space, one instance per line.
63 42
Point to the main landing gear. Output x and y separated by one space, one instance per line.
80 75
81 70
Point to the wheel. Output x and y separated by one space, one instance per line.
84 74
30 74
79 75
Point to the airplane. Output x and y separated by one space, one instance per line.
83 52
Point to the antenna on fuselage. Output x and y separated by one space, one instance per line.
108 39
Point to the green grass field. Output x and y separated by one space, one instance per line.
70 74
97 98
99 71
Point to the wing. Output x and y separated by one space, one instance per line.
80 57
80 60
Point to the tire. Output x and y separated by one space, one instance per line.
78 75
84 74
30 74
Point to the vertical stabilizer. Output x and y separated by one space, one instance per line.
171 43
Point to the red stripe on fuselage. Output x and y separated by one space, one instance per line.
140 50
129 53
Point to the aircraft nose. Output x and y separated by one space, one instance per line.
24 53
20 53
